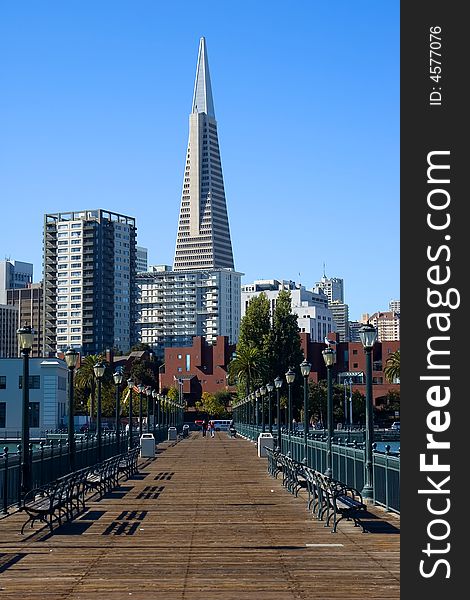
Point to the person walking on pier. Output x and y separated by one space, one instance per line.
212 428
204 428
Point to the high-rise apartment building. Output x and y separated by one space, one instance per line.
8 328
340 313
203 238
89 281
394 306
29 302
332 287
311 308
14 275
174 306
387 324
141 260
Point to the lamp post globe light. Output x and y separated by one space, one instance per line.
99 370
118 377
130 385
329 356
305 368
270 387
71 357
278 385
290 377
25 341
262 391
368 335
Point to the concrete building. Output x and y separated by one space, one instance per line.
47 395
29 302
141 259
203 238
387 324
8 328
201 367
354 327
89 281
14 275
175 306
394 306
340 313
332 287
314 316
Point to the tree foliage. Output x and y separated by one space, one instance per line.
392 367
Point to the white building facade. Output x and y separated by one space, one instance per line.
175 306
14 275
47 395
314 316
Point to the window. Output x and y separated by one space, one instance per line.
355 365
3 383
3 411
61 383
34 414
34 382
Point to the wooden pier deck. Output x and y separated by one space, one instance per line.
202 521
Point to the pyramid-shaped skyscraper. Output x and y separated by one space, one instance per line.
203 238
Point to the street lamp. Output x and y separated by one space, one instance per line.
257 397
290 376
350 382
118 377
305 370
262 391
278 385
130 386
71 357
270 387
155 407
99 370
25 340
148 392
329 356
368 335
141 389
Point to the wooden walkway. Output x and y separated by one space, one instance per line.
202 520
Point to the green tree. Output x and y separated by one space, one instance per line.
256 324
249 367
211 405
392 367
85 380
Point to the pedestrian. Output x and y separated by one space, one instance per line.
204 428
212 428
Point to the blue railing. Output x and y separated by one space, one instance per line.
347 461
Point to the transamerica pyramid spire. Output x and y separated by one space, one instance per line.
203 238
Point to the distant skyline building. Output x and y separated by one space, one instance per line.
29 302
394 306
387 324
340 312
333 287
141 259
89 281
313 315
203 238
14 274
175 306
8 329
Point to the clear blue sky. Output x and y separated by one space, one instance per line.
94 105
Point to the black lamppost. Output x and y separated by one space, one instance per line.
278 385
270 387
368 335
329 356
25 340
262 391
99 370
290 376
155 409
130 385
141 400
71 357
148 391
305 370
257 397
118 377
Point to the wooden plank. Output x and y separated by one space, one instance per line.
202 520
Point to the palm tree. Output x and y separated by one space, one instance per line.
392 367
248 366
85 379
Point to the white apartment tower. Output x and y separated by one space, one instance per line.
203 238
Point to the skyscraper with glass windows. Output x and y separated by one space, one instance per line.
203 237
89 281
